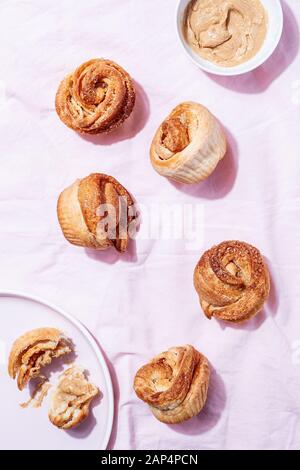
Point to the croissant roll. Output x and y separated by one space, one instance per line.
97 212
34 350
97 97
232 281
188 145
174 384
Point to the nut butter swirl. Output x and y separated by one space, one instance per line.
226 33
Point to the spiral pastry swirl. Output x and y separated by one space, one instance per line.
188 145
97 212
97 97
232 281
174 384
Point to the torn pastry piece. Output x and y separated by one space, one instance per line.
39 393
174 384
97 97
232 281
71 399
97 212
35 350
188 145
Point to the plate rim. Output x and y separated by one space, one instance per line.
96 348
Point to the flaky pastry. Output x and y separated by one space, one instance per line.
71 399
97 97
174 384
97 212
232 281
35 350
188 145
38 395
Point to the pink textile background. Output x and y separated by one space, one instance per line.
144 302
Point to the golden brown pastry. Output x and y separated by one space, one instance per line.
97 212
97 97
71 399
232 281
174 384
34 350
188 145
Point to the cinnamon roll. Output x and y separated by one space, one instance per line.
97 212
174 384
232 281
188 145
97 97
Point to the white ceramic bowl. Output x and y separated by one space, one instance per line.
275 24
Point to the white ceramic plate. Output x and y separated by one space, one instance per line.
30 428
275 25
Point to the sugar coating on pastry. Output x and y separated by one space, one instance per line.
71 399
97 212
34 350
97 97
188 145
232 281
174 384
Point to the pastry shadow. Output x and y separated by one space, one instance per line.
131 126
270 308
86 427
116 392
257 81
112 256
221 181
248 325
272 302
212 411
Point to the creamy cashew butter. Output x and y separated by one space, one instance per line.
226 32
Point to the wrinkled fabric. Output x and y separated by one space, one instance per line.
144 302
